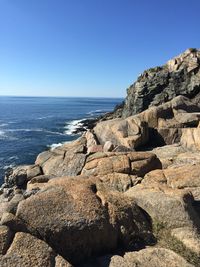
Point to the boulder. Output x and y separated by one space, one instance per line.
72 216
130 133
154 257
33 171
10 204
6 237
27 250
67 159
17 177
171 208
176 155
191 138
178 177
118 181
134 163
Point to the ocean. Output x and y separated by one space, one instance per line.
30 125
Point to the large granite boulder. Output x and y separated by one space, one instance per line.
27 250
131 132
172 208
134 163
67 159
73 216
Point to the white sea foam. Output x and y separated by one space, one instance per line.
53 146
9 166
13 157
2 133
44 117
72 126
3 124
34 130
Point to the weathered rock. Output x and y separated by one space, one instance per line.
118 181
10 204
154 257
61 262
176 155
191 138
184 176
6 237
41 179
90 139
135 163
18 177
36 183
14 223
95 148
27 250
108 146
172 208
180 76
189 237
178 177
157 125
67 159
129 133
71 216
123 149
33 171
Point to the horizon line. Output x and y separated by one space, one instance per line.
117 97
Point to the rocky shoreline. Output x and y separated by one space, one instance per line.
126 193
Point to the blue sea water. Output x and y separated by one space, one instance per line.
29 125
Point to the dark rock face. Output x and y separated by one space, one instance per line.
180 76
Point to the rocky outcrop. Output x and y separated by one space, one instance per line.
97 195
179 76
164 124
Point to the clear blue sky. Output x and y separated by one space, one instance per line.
89 47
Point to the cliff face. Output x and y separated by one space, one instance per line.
179 76
95 196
